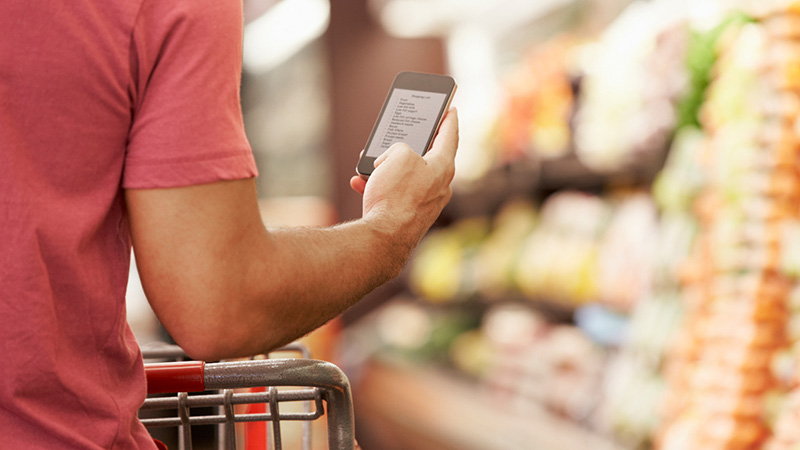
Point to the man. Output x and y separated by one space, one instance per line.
120 124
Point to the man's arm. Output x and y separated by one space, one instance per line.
224 286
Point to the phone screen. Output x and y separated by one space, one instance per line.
411 113
410 116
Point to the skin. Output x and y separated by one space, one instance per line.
224 286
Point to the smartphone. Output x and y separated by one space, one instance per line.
412 112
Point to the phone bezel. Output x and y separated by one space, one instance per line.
417 81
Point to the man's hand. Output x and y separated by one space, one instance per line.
407 192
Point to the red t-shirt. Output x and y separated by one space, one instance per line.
97 96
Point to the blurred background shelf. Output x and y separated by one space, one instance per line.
534 179
408 406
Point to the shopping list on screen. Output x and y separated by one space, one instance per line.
410 116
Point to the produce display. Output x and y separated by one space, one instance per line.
520 358
783 65
611 101
632 78
578 248
538 106
727 371
536 364
699 273
635 384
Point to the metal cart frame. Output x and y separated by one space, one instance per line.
318 381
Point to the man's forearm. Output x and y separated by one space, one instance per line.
224 286
314 275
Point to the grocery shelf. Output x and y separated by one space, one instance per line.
554 310
427 408
484 195
570 172
532 178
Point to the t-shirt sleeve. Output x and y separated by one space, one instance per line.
187 125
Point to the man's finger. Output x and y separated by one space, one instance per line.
380 159
395 148
446 142
358 184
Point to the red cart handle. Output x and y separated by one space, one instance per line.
184 376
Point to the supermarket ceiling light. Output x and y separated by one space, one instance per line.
416 18
282 31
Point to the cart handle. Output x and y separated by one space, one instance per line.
196 376
295 372
183 376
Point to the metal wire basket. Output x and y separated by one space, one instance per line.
221 387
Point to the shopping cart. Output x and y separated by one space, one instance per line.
222 387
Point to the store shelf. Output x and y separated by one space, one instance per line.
570 172
484 195
426 408
530 178
553 310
